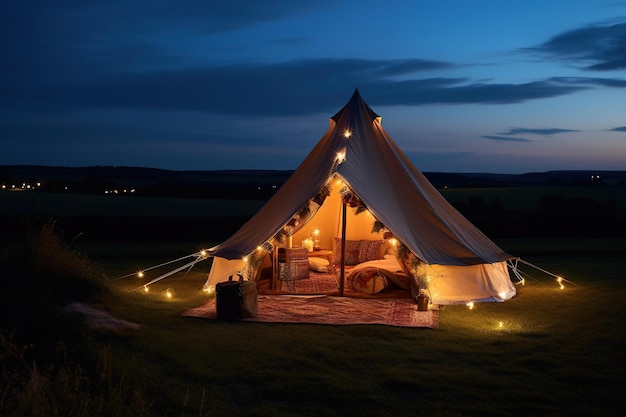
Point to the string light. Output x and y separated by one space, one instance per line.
559 280
140 274
500 325
169 293
470 305
146 288
209 289
347 133
341 156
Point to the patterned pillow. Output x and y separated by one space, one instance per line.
370 250
352 251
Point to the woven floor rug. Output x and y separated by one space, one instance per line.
317 283
332 310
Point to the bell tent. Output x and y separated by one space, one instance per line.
356 184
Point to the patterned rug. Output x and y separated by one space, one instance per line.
318 283
331 310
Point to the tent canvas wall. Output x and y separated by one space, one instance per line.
461 263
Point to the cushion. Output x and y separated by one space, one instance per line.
319 264
352 251
371 250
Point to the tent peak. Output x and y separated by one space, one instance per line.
355 106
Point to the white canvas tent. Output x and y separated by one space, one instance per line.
461 263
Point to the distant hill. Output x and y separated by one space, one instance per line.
251 184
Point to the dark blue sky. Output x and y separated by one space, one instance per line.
463 86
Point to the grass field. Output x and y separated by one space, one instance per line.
546 352
558 352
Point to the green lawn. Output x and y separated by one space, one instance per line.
557 352
546 352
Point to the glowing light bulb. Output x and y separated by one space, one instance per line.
470 305
203 253
559 280
500 325
168 293
145 288
245 259
140 274
347 133
341 156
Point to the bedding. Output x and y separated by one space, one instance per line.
374 276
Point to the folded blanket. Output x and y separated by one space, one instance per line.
372 280
399 278
367 280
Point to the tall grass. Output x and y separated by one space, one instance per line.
48 365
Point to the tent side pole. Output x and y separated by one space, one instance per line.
342 270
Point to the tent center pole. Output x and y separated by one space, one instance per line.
342 266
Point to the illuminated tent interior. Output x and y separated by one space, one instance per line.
356 169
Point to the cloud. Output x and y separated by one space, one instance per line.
619 129
590 81
532 131
274 89
506 138
69 55
594 47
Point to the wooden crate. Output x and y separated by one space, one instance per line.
293 264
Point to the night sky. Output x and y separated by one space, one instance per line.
462 86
